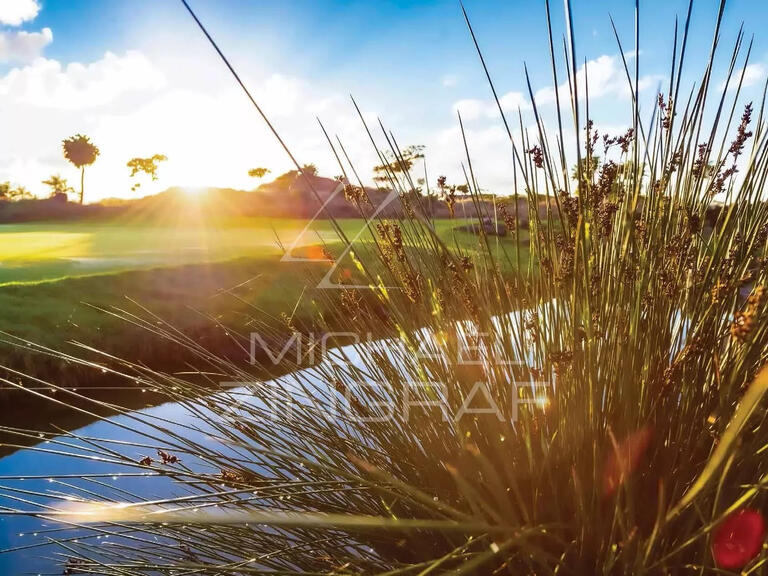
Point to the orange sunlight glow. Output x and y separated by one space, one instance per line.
193 191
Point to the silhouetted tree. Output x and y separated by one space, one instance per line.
258 172
8 192
81 152
402 163
310 169
147 165
58 185
588 169
20 193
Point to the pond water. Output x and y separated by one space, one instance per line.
24 541
50 477
55 474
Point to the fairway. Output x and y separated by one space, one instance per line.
38 252
48 251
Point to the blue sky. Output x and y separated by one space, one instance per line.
140 79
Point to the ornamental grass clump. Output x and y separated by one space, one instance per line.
586 400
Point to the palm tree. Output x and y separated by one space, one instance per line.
58 185
309 169
81 152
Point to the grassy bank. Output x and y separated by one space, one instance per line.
215 304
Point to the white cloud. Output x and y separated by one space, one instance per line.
47 84
470 108
489 149
15 12
606 76
511 101
213 137
202 122
45 102
153 102
753 74
473 108
23 46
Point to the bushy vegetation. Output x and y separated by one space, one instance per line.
618 411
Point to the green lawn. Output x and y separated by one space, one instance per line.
51 251
50 271
35 252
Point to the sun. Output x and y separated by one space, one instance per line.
193 191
